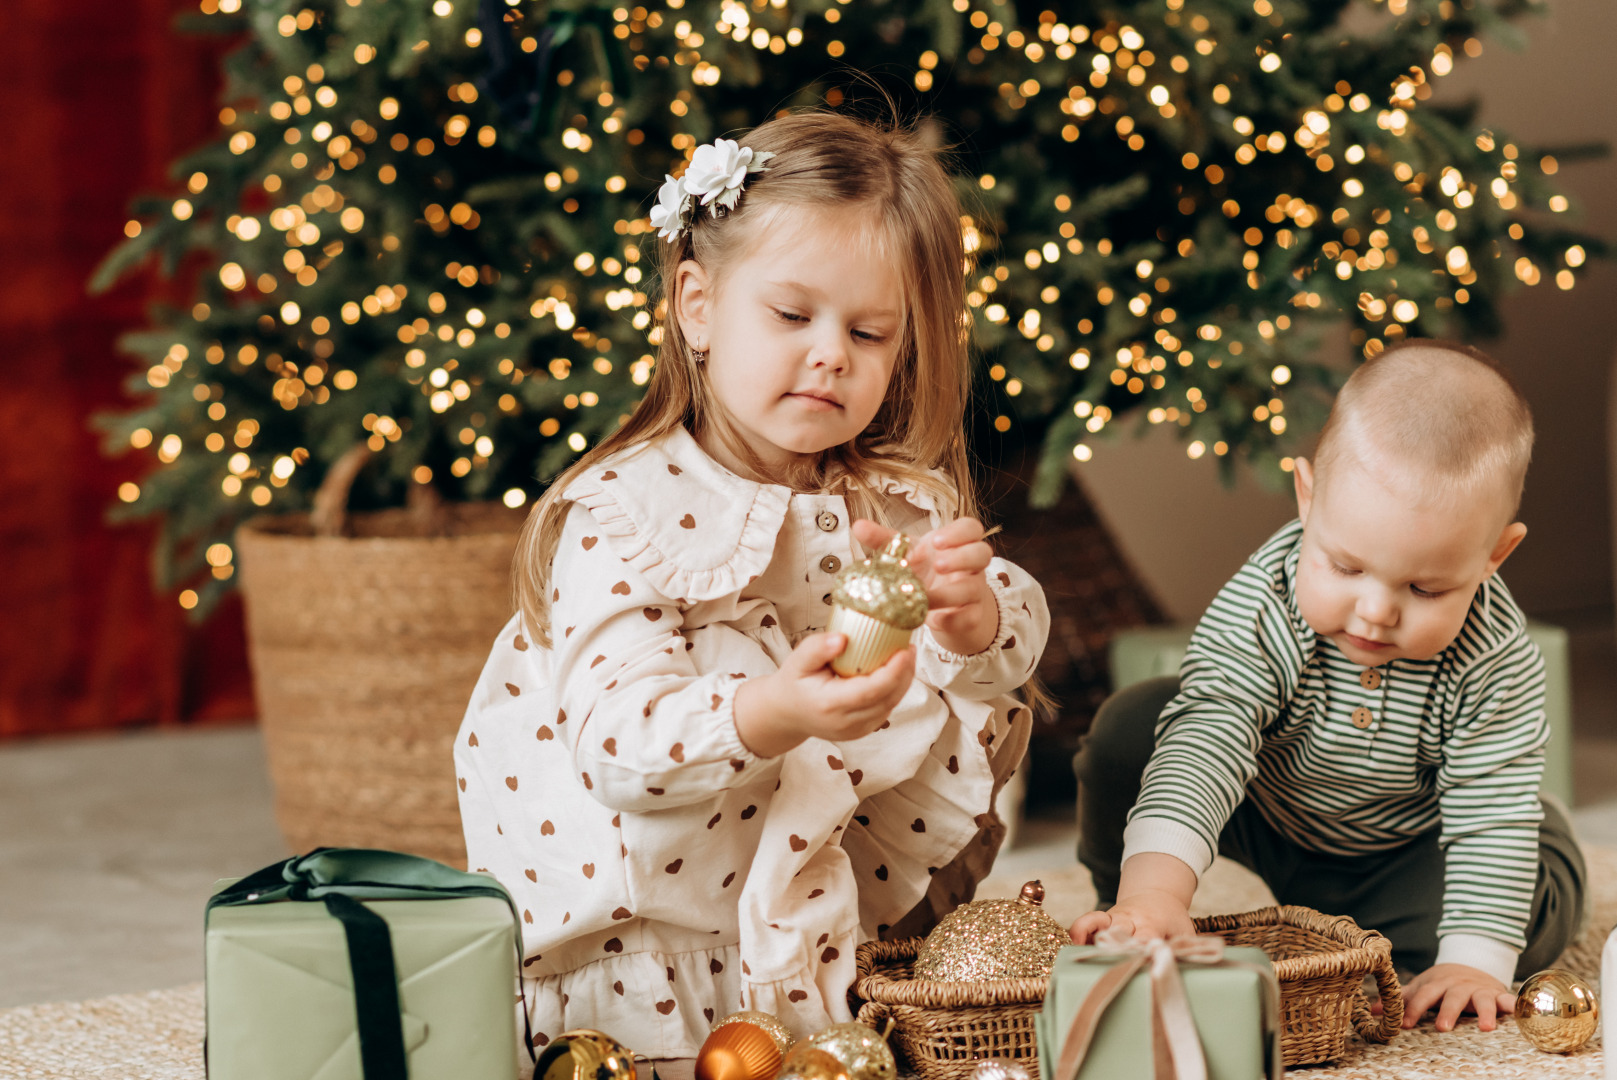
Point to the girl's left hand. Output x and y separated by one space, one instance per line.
951 563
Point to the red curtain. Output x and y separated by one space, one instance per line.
100 99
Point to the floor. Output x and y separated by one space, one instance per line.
111 843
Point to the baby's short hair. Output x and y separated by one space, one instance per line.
1443 409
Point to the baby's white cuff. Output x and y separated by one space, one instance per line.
1486 954
1169 838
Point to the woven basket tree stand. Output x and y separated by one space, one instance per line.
943 1029
366 634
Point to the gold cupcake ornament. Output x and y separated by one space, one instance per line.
1557 1011
993 939
878 603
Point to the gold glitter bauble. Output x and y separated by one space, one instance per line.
864 1053
1557 1011
807 1062
583 1054
738 1050
884 587
993 939
771 1025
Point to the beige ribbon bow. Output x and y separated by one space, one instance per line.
1176 1048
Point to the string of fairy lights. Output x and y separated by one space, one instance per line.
396 259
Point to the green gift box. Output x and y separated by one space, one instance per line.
1233 1002
436 973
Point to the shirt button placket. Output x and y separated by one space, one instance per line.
1363 718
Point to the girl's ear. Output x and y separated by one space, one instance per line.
693 303
1302 478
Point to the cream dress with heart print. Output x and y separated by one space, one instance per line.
666 875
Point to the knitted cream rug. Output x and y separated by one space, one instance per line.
158 1035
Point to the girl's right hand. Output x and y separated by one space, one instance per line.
805 699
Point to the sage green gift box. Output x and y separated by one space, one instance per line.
281 1001
1239 1037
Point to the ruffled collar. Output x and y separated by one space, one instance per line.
696 530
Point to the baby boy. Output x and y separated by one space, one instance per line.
1360 716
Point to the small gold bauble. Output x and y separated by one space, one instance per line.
807 1062
1557 1011
865 1053
738 1050
771 1025
584 1054
993 939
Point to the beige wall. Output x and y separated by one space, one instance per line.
1185 533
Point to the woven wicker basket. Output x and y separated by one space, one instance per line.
365 648
942 1029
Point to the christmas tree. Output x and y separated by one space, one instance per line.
423 225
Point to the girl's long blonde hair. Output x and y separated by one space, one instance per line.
827 161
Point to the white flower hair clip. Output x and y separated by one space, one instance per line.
714 179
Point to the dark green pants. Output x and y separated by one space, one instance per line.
1398 892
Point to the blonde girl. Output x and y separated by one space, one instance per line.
694 814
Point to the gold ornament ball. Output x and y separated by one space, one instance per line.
1557 1011
584 1054
993 939
865 1053
769 1023
807 1062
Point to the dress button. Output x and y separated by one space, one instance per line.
830 564
826 598
1362 718
826 520
1369 679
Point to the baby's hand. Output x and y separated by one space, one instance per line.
950 562
806 699
1454 989
1148 914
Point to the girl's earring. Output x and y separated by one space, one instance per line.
698 355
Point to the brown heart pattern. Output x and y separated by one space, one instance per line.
797 995
611 747
829 954
677 752
547 828
462 782
513 689
618 987
665 1007
621 589
797 842
520 643
531 876
622 913
856 775
674 469
544 734
511 782
471 740
609 475
833 761
687 522
589 869
673 867
746 813
652 613
918 825
590 541
881 872
714 966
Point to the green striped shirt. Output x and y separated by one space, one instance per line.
1266 710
